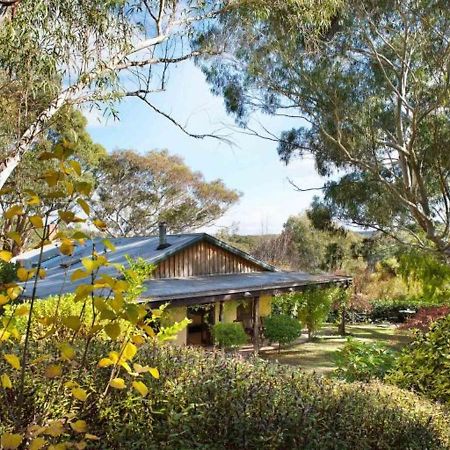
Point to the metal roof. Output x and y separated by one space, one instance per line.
236 285
60 267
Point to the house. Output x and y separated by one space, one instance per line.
198 275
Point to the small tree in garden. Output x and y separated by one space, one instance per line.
282 328
313 308
229 335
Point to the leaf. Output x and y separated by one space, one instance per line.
84 206
5 381
13 292
109 245
89 264
53 371
13 360
66 247
138 339
5 255
24 274
83 188
140 387
66 216
34 200
105 362
91 437
37 443
42 273
117 383
67 351
3 299
78 274
72 322
129 351
99 224
154 372
54 429
79 394
16 210
76 167
80 426
15 236
10 441
113 330
36 221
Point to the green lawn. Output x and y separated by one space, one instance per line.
317 355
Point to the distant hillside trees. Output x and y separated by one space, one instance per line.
137 191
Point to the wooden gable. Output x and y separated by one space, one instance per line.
204 258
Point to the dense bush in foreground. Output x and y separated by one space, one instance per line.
209 401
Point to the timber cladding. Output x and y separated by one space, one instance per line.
203 258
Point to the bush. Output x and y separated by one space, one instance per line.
210 401
229 335
359 361
424 365
8 272
282 329
425 317
390 309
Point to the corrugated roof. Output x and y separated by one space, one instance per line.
60 267
167 289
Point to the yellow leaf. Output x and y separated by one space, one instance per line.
71 384
66 247
91 437
80 426
89 264
105 362
117 383
10 441
3 299
67 351
84 206
24 274
16 210
125 365
99 224
37 444
54 429
13 360
72 322
113 330
154 372
109 245
6 381
80 445
138 340
53 371
76 167
42 273
34 200
13 292
83 188
79 394
5 255
129 351
36 221
114 357
140 387
79 274
69 188
15 236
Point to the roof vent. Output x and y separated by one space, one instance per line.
162 236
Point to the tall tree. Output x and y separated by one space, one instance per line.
372 100
93 52
135 192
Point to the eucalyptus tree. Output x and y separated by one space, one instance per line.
371 97
93 52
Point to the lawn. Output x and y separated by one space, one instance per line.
317 355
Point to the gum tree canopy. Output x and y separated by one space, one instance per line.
371 97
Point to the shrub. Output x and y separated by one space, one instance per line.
282 329
8 272
360 361
424 365
425 317
210 401
229 335
391 309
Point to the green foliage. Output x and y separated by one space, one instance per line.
8 272
229 335
282 328
360 361
250 405
392 310
424 365
136 192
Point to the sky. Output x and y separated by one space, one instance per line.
250 165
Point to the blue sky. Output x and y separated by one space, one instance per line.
251 165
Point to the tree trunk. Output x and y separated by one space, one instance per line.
342 331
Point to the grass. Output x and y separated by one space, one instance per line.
317 355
